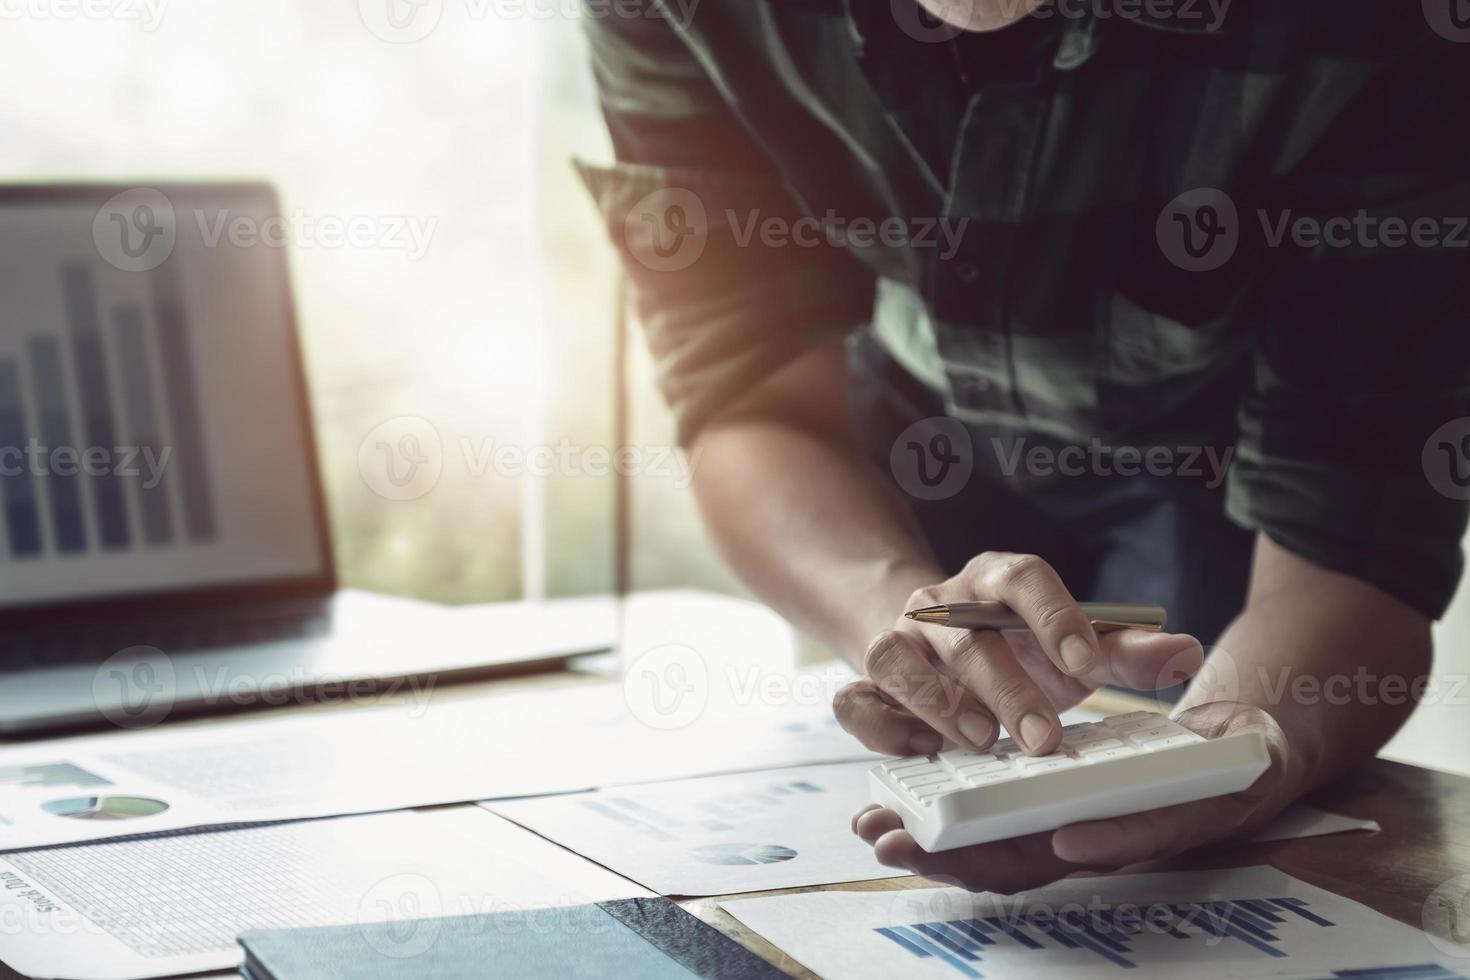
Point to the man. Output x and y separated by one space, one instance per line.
983 301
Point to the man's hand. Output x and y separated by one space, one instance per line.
1029 862
926 685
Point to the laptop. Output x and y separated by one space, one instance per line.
164 545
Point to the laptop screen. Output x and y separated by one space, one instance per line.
154 435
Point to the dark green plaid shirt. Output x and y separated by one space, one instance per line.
1151 223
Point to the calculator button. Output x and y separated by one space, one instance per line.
1164 731
1107 755
976 768
1132 718
1170 741
913 762
1006 746
938 789
1152 732
923 779
966 757
1092 738
1099 745
1045 763
992 777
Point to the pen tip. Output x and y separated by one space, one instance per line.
911 614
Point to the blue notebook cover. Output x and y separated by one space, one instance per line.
641 938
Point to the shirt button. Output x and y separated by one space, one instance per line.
967 272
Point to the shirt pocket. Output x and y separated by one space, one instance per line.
1150 367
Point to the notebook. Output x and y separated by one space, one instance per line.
650 938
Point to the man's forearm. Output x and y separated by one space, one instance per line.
806 526
1332 659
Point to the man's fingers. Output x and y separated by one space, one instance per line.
862 712
1152 834
875 821
1146 661
1035 591
900 665
1004 866
986 665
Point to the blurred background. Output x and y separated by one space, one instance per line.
490 313
486 306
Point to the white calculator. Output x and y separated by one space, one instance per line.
1123 764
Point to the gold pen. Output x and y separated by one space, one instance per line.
990 615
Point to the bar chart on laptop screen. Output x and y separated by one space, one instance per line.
149 437
148 349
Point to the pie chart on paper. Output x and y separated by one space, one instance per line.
105 807
743 854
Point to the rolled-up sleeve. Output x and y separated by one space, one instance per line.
1363 352
688 205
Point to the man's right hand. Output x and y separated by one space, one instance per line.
925 685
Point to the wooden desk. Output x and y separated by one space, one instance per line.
1425 839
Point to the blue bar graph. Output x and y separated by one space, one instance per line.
63 487
184 401
961 944
22 523
103 410
138 387
79 287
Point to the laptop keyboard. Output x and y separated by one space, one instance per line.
58 647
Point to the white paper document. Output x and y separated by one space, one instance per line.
1306 821
716 836
173 904
753 831
356 761
1243 922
